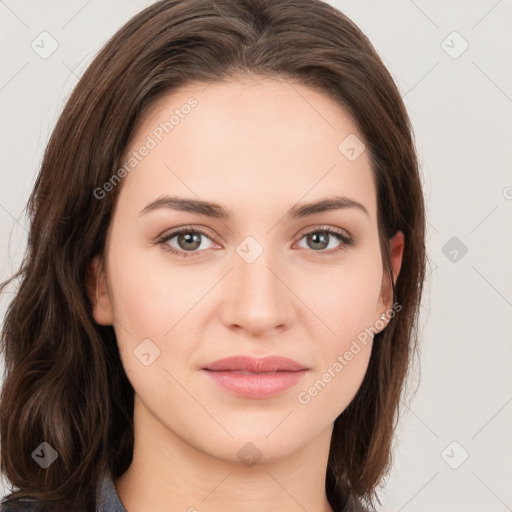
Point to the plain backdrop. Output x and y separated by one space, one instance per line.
452 63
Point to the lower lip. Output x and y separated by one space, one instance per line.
261 385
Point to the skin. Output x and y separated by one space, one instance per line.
256 146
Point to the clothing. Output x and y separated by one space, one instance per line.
108 499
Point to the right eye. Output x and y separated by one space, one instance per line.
188 241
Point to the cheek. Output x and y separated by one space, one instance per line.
345 302
348 309
157 301
343 298
151 301
150 297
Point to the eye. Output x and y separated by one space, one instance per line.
188 240
321 238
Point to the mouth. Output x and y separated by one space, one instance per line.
244 372
251 364
255 378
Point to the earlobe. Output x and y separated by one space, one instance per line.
97 291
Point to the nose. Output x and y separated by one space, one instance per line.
257 298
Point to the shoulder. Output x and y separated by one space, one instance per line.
22 506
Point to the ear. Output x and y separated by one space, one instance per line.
396 249
97 291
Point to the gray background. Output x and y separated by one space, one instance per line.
460 103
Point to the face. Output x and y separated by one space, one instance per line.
267 278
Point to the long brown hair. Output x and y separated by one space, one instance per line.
64 383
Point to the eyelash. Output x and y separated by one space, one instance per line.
346 241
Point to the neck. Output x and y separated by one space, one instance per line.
168 473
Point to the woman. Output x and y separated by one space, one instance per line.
218 306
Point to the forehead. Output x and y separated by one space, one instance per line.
240 140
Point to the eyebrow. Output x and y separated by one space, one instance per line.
215 210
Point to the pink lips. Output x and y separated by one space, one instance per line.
255 377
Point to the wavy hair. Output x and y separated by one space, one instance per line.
64 382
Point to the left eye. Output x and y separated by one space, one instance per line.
189 241
320 239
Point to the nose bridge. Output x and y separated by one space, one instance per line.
253 262
257 298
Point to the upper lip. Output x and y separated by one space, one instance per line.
255 364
